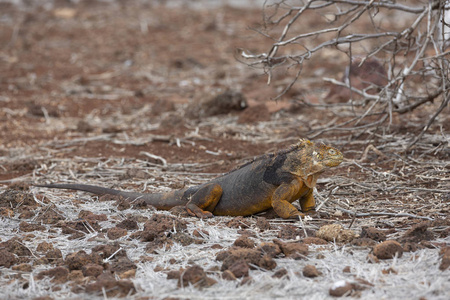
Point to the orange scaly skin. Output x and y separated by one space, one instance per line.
270 181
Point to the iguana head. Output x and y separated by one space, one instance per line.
309 160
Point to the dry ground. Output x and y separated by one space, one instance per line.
113 94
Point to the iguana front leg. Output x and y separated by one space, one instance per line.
202 203
282 198
307 203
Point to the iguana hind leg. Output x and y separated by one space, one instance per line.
203 202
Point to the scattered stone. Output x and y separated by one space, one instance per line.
59 274
128 224
290 232
7 259
51 215
196 276
106 283
244 242
262 224
106 251
411 247
76 276
44 247
250 256
418 232
160 224
115 232
183 238
22 267
53 254
335 232
238 222
311 271
15 247
363 242
373 234
266 262
445 260
228 275
122 266
240 269
29 227
388 249
293 250
76 261
92 270
89 216
340 288
270 249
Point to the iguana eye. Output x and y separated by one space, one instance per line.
332 151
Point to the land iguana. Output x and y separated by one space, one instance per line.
270 181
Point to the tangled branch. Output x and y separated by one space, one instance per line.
413 52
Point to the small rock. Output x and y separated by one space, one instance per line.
59 274
267 262
270 249
53 254
128 224
363 242
262 224
22 267
244 242
291 249
418 232
106 283
445 262
7 259
228 275
92 270
346 269
373 234
115 233
29 227
388 249
44 247
196 276
340 288
311 271
240 269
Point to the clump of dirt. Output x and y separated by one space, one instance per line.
196 276
336 233
417 233
373 234
295 250
108 284
388 249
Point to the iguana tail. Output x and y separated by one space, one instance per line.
163 201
